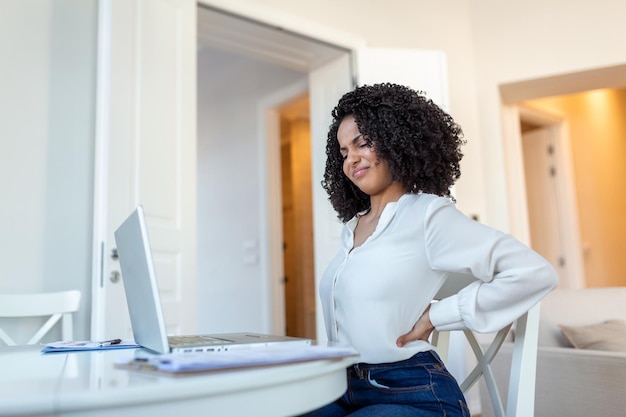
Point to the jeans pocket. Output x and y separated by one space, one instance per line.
398 380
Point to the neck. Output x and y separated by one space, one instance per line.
379 201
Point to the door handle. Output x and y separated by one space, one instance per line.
114 276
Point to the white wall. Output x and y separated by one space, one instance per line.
47 105
231 290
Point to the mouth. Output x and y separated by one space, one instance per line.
359 172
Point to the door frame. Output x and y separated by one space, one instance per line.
125 109
288 22
103 101
513 115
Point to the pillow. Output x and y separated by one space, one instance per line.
609 335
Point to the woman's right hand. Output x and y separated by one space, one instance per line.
420 331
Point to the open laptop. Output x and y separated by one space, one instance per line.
144 303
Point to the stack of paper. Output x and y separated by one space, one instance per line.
208 361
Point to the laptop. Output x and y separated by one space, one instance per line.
144 303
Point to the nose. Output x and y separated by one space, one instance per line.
352 158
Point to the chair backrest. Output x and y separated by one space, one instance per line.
57 305
521 392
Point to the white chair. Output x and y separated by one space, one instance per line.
58 305
521 390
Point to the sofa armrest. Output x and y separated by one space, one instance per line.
570 382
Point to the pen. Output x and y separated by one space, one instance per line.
111 342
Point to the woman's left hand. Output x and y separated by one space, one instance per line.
421 330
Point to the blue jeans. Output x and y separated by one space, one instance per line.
418 387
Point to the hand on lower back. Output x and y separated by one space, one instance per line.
420 331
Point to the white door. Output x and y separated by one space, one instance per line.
146 154
541 170
421 70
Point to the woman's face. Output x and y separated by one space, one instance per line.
361 163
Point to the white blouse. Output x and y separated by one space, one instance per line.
376 292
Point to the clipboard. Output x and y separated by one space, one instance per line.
86 345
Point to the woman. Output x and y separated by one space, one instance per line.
392 156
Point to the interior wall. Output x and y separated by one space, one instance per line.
231 292
47 107
597 131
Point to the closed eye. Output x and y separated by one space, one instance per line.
361 142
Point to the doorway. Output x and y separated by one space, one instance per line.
252 86
598 150
297 219
585 124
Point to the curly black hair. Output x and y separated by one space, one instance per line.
420 142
